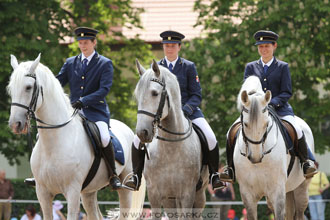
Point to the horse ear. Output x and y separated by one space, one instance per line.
13 61
35 64
139 67
155 68
268 96
245 97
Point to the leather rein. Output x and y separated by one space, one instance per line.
33 103
159 113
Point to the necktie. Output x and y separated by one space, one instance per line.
265 69
170 67
84 64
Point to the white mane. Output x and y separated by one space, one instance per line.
252 85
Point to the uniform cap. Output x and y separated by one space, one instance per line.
85 33
265 37
171 37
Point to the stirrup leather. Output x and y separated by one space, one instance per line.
127 178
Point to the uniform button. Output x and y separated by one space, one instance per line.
265 89
81 87
265 79
83 77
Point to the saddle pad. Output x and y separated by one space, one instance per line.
204 144
119 153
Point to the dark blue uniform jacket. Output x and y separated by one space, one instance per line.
277 80
90 86
191 91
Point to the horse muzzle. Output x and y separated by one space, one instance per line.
145 135
18 125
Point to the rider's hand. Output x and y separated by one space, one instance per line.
78 104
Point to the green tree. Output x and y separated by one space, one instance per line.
30 27
303 27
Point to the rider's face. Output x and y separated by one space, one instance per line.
171 50
266 51
87 46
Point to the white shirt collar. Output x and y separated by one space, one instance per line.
89 58
268 64
173 62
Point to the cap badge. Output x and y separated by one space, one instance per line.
261 38
82 34
169 38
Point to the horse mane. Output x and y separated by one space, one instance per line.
172 85
45 78
252 85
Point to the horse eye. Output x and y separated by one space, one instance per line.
28 88
154 93
246 124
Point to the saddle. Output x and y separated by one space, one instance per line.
205 149
93 133
204 144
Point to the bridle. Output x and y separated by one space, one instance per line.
262 141
33 104
159 113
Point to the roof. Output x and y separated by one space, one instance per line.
162 15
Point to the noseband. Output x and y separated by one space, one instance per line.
247 140
159 113
33 104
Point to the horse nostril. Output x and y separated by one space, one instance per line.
145 132
18 124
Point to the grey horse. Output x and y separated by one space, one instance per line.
175 165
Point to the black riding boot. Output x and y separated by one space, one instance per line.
213 160
109 158
307 165
138 155
228 174
30 181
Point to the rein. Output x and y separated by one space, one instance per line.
159 113
262 141
33 103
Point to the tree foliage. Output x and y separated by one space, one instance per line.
30 27
303 27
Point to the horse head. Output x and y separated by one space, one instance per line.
24 91
254 119
153 93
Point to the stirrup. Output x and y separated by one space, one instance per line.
311 166
30 182
127 178
227 170
211 180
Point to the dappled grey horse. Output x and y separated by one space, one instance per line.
175 165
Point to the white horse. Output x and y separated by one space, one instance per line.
175 164
261 159
62 157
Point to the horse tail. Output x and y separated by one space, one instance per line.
138 199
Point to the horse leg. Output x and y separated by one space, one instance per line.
170 208
155 204
250 202
277 199
73 198
45 198
301 199
91 207
125 199
289 205
199 203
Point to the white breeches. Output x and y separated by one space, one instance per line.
292 120
104 132
203 125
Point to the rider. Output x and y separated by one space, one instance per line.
191 98
274 76
90 77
